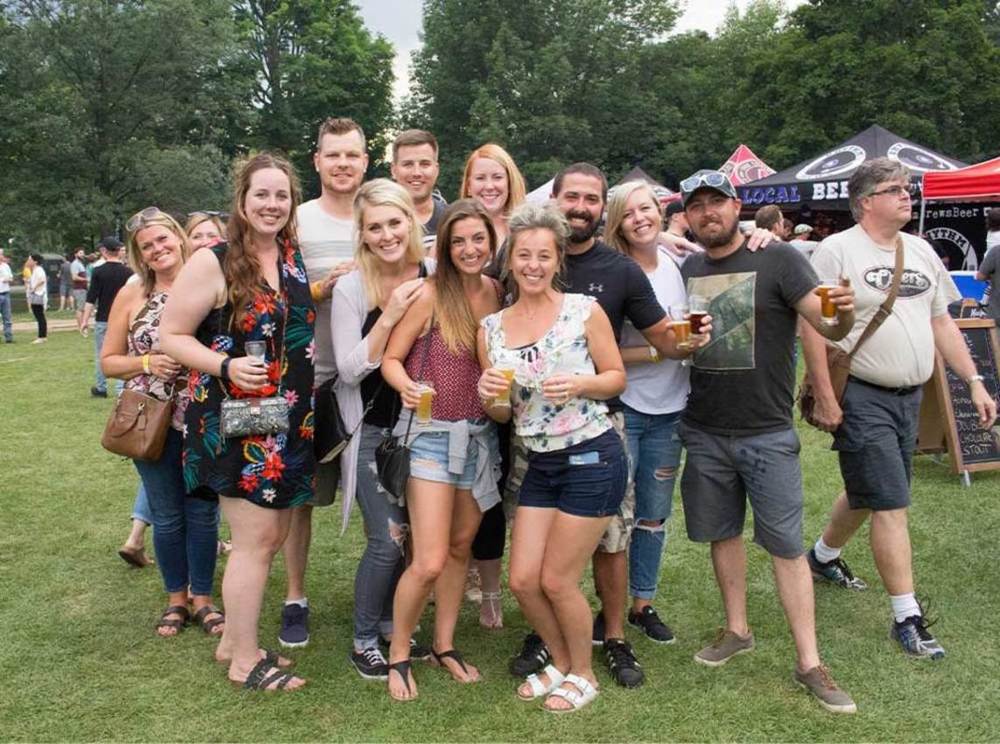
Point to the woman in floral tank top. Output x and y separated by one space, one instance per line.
562 353
184 530
253 288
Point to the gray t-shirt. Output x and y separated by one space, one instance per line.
990 268
743 382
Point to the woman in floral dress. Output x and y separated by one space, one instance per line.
253 288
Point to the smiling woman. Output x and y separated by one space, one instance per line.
492 178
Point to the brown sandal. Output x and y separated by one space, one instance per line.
209 625
172 622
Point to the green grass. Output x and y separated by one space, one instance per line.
79 660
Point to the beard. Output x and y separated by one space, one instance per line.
585 233
720 239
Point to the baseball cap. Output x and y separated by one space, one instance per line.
802 229
674 207
708 179
110 243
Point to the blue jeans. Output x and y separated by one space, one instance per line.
381 565
654 456
5 311
140 509
185 530
100 328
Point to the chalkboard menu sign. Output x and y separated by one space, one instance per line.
971 447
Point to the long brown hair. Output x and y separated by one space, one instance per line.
451 307
241 267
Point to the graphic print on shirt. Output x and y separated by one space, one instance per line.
731 305
912 284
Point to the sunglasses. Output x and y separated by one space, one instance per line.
713 179
139 219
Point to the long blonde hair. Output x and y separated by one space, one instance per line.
616 212
516 189
134 252
452 310
198 218
241 268
381 192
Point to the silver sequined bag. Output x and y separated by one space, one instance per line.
253 416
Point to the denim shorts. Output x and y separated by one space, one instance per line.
723 472
875 442
429 459
585 480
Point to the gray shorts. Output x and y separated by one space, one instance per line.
875 442
722 472
327 483
80 298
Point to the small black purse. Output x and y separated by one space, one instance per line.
330 436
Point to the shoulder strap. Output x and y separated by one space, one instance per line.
885 309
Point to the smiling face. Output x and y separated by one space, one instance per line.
268 202
534 261
415 168
642 222
489 185
341 162
581 199
469 245
160 248
714 217
385 231
205 235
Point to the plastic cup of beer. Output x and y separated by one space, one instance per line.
827 308
680 324
503 399
698 307
256 350
424 405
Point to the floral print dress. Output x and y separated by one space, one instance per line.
273 471
144 338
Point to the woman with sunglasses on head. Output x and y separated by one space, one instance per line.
240 317
368 302
204 230
565 362
454 453
184 530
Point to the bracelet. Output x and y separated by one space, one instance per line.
316 290
145 364
654 354
974 378
224 370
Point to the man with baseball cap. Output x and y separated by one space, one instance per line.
105 283
737 427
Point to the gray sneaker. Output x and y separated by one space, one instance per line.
725 646
819 682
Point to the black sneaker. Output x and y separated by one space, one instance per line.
915 639
294 626
650 623
834 572
417 650
370 664
597 639
621 660
532 658
98 393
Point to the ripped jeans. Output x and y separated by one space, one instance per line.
381 564
654 457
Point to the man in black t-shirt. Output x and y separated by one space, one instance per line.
737 427
105 282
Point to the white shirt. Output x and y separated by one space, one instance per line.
6 276
324 241
38 283
661 387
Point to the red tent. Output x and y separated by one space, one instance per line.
973 182
743 167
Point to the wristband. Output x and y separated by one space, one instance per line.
224 370
974 378
145 364
654 354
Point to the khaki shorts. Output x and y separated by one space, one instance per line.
616 537
327 483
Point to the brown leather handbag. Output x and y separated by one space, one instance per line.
138 426
839 361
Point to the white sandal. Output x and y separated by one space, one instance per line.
539 688
578 698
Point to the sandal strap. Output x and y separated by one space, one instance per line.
264 674
199 616
581 683
402 668
450 654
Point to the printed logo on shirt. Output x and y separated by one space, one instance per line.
732 299
598 288
913 284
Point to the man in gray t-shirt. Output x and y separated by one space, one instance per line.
987 272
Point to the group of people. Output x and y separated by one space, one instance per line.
565 372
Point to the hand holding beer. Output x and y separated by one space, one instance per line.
835 298
419 397
494 384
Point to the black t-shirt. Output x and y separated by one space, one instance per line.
105 283
619 285
431 226
742 383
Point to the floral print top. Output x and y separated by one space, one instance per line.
272 471
543 425
144 338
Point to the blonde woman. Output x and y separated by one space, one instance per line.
492 178
367 304
204 230
184 530
253 288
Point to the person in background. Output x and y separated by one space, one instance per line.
251 289
787 229
803 240
204 230
326 232
6 312
492 178
993 228
184 530
990 267
677 238
769 217
37 290
78 270
415 168
105 283
66 283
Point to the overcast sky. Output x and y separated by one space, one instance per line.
399 21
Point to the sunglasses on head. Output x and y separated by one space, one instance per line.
714 179
139 219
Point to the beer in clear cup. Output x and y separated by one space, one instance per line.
503 399
426 401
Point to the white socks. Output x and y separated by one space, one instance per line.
904 606
824 553
304 602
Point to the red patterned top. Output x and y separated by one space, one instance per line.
455 377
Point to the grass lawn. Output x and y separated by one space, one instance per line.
79 659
